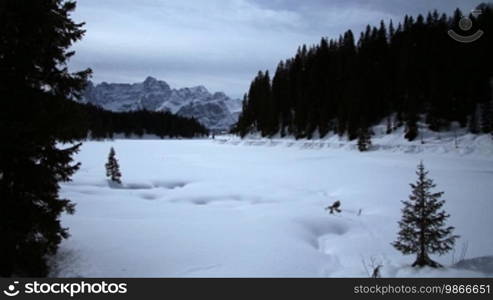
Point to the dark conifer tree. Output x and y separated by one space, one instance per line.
423 229
391 31
412 131
113 168
491 107
389 128
473 122
486 114
35 86
364 139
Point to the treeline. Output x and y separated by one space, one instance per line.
398 73
94 122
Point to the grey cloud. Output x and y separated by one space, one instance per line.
394 7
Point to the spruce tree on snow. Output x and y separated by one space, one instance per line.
411 130
473 122
364 140
486 115
112 168
422 228
389 126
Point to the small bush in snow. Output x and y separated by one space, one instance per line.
335 207
112 168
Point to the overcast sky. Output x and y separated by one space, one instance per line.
220 44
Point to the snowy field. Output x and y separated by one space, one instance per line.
223 208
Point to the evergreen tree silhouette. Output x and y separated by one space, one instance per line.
37 113
113 168
364 139
422 228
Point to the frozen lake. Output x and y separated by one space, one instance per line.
204 208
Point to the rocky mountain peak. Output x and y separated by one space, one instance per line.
214 110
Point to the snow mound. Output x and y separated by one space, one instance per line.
479 264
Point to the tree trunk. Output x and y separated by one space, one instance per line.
424 260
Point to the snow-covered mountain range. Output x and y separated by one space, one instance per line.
216 111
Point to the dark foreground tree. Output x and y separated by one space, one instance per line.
35 86
113 168
423 229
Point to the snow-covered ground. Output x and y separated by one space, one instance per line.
225 208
